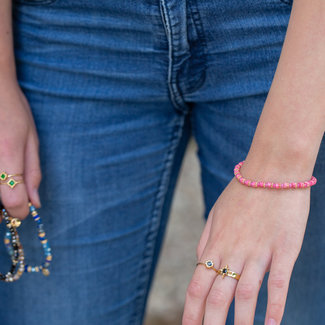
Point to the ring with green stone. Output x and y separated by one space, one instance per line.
4 176
12 182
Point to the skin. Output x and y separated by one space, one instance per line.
19 143
256 230
264 229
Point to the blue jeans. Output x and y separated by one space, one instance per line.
116 89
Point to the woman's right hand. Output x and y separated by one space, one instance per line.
19 147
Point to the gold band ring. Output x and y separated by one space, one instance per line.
12 182
4 175
225 271
209 265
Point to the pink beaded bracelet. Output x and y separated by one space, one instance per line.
251 183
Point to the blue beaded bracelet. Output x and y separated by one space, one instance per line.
44 267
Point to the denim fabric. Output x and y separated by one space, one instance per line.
116 89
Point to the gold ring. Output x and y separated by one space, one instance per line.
225 271
12 182
4 175
208 264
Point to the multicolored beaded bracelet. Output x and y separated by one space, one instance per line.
44 268
14 246
255 184
46 246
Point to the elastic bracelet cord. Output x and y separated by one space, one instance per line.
285 185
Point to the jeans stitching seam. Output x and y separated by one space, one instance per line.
156 216
172 75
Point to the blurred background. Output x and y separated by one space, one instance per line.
178 256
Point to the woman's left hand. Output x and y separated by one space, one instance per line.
253 231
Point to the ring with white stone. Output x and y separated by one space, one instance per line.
209 265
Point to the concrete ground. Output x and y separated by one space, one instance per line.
178 256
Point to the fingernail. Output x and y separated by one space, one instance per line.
37 197
271 321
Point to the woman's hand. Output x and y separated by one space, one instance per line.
254 231
18 150
18 137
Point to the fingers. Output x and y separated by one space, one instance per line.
247 290
209 295
278 284
23 159
196 294
221 293
32 171
15 199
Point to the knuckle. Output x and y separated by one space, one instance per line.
189 319
245 291
195 290
217 298
278 281
276 309
36 174
13 202
8 150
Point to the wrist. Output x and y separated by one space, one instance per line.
8 81
7 71
280 161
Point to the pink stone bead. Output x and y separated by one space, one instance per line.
251 183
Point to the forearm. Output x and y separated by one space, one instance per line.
7 61
292 123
